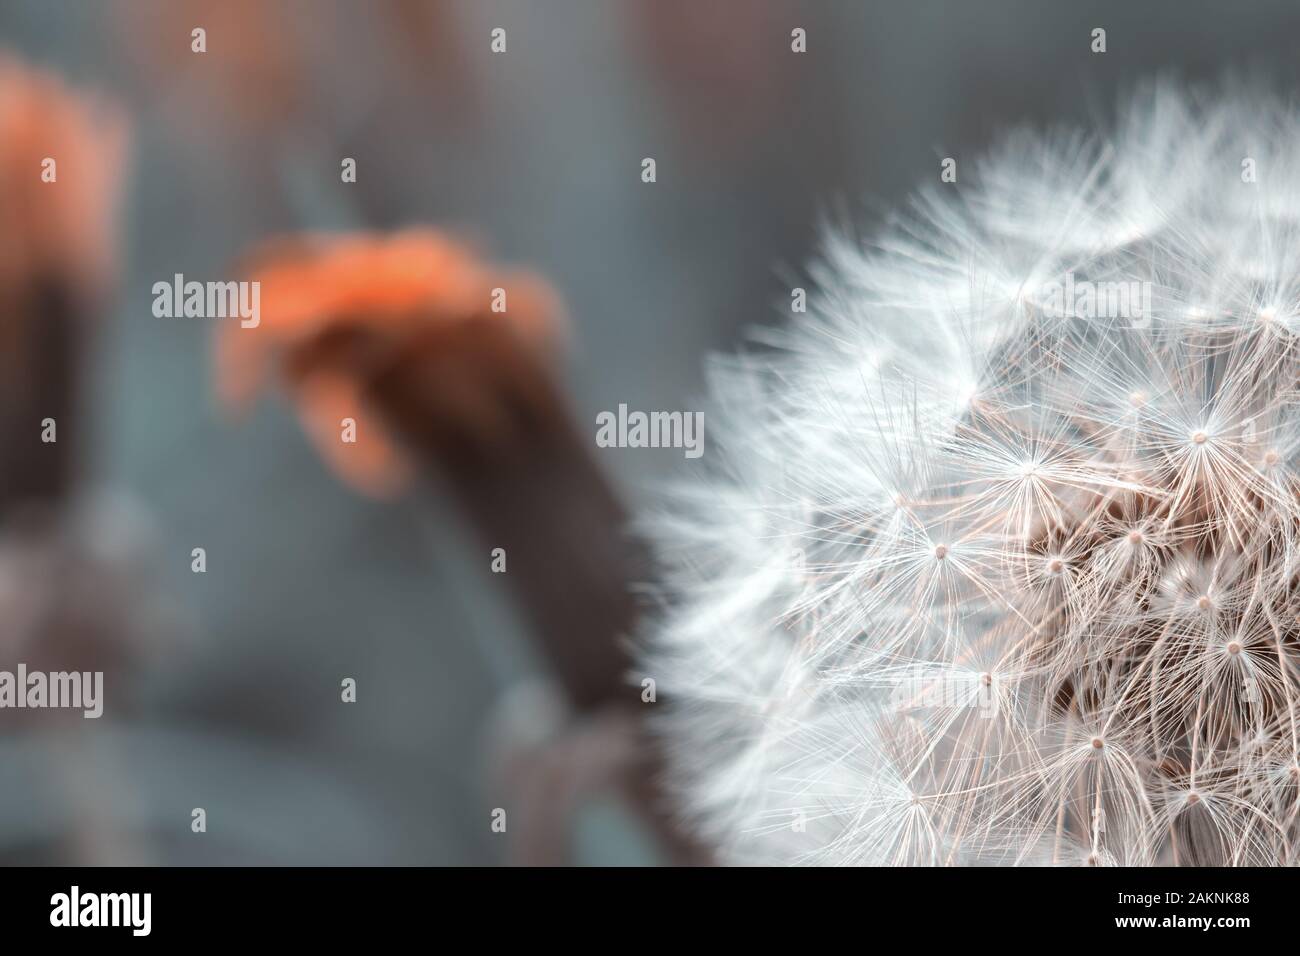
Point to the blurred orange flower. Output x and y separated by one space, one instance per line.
62 155
56 219
341 313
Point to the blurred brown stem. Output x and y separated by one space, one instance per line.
483 409
529 485
42 377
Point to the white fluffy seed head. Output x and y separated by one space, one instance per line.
1037 446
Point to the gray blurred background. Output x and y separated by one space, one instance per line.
537 154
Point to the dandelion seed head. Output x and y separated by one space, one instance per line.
1055 616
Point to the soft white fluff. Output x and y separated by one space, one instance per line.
975 574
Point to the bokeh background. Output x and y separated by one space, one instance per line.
536 154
